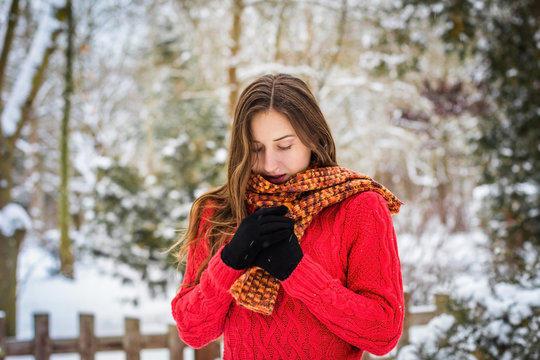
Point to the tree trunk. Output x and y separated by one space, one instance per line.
334 58
20 105
65 251
278 56
236 31
9 251
9 248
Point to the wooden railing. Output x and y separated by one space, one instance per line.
87 344
417 318
132 342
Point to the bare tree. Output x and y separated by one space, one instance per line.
15 115
334 57
65 251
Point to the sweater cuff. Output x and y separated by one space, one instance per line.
308 280
223 276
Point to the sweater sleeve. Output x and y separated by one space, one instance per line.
367 311
200 310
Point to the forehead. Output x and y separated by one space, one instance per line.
270 125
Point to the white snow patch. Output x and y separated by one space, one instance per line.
14 217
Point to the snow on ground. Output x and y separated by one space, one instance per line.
93 292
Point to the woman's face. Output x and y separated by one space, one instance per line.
278 152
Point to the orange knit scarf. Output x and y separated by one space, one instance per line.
306 194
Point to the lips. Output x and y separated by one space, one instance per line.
276 179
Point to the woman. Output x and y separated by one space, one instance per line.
293 257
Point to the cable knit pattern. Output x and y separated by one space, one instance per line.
345 296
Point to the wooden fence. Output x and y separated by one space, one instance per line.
87 344
132 342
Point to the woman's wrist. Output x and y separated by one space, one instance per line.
223 276
309 277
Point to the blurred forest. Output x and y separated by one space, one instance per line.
439 100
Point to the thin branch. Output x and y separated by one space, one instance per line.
13 17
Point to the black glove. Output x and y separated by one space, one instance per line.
256 231
282 258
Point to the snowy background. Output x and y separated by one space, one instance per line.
94 291
437 100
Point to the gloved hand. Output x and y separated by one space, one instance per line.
259 230
282 258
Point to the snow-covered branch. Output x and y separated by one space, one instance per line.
26 82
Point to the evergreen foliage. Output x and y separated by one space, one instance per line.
138 217
503 37
142 203
500 320
509 146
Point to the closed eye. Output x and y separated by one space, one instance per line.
284 147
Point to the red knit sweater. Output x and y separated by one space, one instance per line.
345 296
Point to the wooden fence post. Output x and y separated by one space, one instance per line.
42 341
3 349
175 345
209 352
441 303
132 339
404 339
86 343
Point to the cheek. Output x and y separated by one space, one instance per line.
302 160
307 159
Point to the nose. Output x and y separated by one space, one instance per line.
270 164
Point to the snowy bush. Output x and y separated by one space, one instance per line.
135 217
498 322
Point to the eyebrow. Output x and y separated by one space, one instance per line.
280 138
284 137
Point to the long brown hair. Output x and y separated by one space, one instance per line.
283 93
